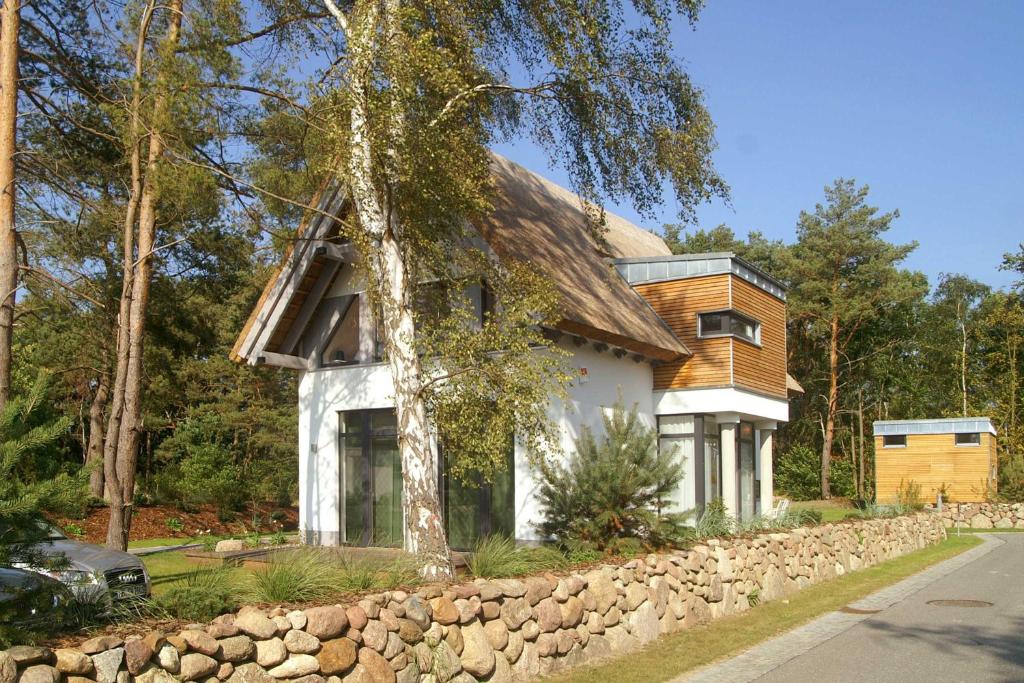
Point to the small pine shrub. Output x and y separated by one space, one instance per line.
202 595
612 488
302 575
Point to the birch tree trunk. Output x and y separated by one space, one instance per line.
380 220
832 408
124 428
10 24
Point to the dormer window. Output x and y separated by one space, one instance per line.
728 324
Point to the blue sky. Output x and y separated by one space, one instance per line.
922 101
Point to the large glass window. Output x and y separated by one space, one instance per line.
746 467
728 324
678 432
712 460
475 508
371 472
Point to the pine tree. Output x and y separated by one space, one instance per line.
23 499
614 488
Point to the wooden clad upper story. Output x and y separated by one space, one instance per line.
695 293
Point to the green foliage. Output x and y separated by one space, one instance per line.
798 474
23 496
908 495
174 524
614 488
202 595
714 521
498 556
296 576
73 529
1011 478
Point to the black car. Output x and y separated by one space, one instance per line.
31 601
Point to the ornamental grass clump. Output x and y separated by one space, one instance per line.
301 575
614 489
201 595
496 557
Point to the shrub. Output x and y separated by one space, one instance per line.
300 575
909 495
73 529
613 488
1011 479
174 524
714 521
202 595
798 474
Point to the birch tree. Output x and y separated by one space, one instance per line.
421 89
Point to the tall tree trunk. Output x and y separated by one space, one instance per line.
10 24
961 317
125 425
832 409
94 447
424 527
861 485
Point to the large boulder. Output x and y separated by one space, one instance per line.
980 521
300 642
196 666
336 656
379 668
236 648
72 662
296 666
477 656
256 624
107 664
326 622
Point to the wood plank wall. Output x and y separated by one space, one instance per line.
678 302
932 460
761 368
721 361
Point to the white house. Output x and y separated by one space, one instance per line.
697 342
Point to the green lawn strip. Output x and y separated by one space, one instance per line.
155 542
676 653
966 530
831 510
166 569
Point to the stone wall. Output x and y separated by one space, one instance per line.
484 630
983 515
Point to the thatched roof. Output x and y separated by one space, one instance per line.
538 221
533 220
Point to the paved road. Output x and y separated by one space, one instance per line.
908 640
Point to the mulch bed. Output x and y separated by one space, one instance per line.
151 522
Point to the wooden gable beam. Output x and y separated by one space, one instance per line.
323 282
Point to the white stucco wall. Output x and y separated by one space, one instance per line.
324 393
607 376
744 405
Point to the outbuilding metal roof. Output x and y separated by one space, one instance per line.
946 425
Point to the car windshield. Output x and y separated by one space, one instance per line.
33 532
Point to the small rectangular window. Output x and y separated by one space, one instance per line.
729 324
968 439
894 441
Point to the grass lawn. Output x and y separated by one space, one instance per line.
167 568
674 654
831 510
154 542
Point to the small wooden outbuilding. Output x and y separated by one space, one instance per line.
957 455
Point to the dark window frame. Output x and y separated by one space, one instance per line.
902 441
728 315
699 437
366 433
974 443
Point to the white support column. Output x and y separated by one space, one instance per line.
767 434
730 492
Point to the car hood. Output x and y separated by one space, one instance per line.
89 557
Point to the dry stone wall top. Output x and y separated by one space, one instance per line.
983 515
484 630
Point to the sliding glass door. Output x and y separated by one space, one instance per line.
371 474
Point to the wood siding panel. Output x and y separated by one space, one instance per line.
760 368
678 302
932 460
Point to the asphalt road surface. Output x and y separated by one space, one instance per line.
917 641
